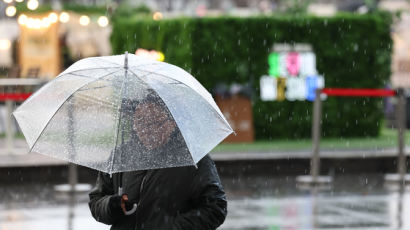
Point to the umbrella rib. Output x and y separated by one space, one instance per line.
141 76
99 87
105 60
79 75
78 70
119 121
44 128
167 109
84 76
149 72
99 78
113 67
121 66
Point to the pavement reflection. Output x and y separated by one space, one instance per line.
354 202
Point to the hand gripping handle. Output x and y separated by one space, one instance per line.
124 198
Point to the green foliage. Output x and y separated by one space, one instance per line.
83 9
124 10
172 37
22 8
294 6
353 51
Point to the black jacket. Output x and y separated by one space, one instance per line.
172 198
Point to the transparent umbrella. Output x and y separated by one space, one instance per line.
123 113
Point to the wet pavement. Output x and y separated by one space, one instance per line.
17 156
255 202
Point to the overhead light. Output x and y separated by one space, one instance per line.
11 11
53 17
7 1
32 4
5 44
45 22
37 23
19 0
64 17
157 16
103 21
84 20
22 20
150 54
30 23
160 56
34 23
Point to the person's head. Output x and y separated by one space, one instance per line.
153 123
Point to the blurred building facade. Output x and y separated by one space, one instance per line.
190 7
82 42
321 7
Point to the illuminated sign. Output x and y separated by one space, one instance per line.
292 74
281 84
312 83
308 64
295 89
292 63
268 88
279 89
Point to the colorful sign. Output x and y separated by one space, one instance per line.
273 61
312 83
286 64
292 89
296 89
281 85
308 64
292 74
292 63
268 88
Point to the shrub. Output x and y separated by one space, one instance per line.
353 51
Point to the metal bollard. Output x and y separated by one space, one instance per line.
401 128
317 115
315 179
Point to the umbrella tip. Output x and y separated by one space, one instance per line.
126 60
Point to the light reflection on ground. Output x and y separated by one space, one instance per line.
254 203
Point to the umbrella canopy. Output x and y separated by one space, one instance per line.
123 113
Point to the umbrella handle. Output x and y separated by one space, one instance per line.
134 208
124 198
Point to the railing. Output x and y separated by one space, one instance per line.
314 177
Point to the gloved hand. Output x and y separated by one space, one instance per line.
120 203
115 203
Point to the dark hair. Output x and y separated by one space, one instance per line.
130 105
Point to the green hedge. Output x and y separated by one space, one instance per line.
172 37
352 51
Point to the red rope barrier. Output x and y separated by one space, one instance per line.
14 96
328 91
359 92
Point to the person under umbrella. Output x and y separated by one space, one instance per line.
175 198
159 153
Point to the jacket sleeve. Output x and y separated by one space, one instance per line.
100 198
209 198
